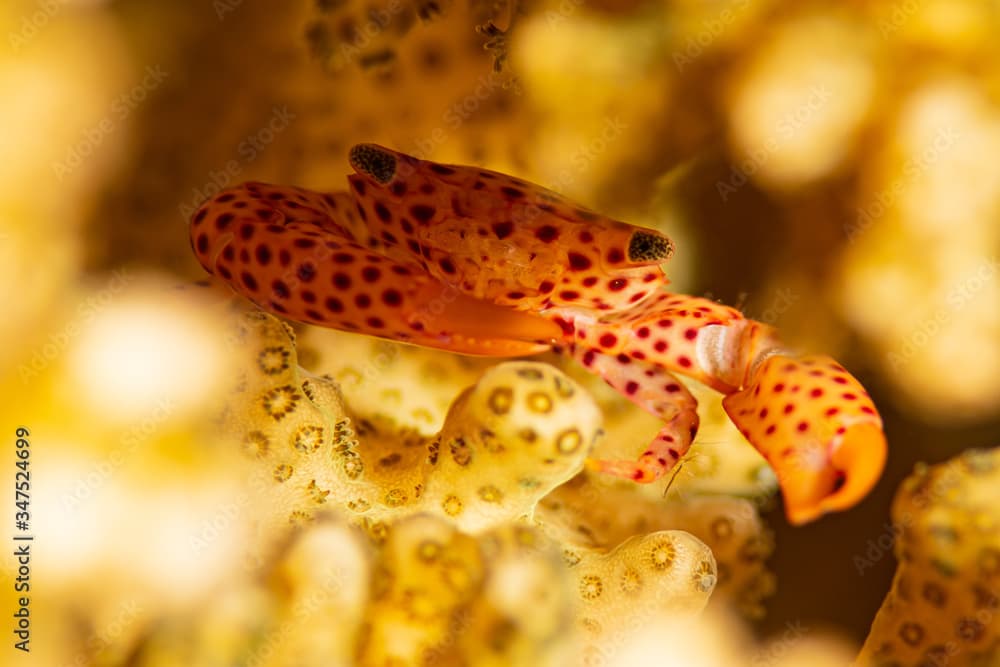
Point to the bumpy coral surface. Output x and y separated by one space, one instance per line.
508 440
944 606
594 515
506 443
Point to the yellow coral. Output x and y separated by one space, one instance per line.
426 573
587 513
944 607
520 431
661 574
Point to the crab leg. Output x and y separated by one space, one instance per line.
813 422
290 256
659 393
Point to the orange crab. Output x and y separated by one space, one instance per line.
477 262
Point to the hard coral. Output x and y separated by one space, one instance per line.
506 442
586 513
520 431
944 606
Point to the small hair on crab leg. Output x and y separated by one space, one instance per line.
659 393
503 239
313 271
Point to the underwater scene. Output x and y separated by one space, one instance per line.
500 332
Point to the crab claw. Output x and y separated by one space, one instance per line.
817 427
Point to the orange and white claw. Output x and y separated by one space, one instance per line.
817 427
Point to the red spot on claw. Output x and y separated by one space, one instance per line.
547 234
579 262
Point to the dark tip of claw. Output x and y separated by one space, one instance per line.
649 247
374 161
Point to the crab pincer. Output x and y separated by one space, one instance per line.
817 427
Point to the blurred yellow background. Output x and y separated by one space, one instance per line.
828 167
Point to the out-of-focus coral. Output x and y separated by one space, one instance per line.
944 606
67 68
839 150
796 110
716 638
927 186
123 470
425 572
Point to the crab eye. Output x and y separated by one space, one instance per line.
373 161
649 247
